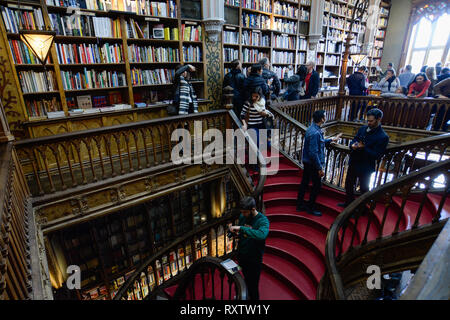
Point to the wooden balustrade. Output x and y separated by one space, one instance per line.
397 161
424 114
15 265
157 272
352 227
65 161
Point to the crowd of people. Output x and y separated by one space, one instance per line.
431 82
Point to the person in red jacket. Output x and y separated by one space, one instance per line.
419 87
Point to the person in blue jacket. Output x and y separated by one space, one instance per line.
313 163
367 147
252 230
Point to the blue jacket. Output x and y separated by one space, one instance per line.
375 143
314 147
251 82
235 79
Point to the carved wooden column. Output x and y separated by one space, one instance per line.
228 100
213 20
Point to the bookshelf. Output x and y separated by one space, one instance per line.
377 51
118 52
108 249
276 29
279 31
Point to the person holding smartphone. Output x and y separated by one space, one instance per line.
252 230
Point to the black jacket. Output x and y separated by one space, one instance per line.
276 84
375 143
356 83
235 79
253 81
313 87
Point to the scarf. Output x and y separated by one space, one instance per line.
390 80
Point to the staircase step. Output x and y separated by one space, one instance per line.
293 274
271 288
301 253
310 234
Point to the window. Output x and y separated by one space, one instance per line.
429 42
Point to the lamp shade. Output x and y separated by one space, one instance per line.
357 58
39 42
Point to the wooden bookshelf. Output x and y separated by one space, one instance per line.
288 41
129 94
337 16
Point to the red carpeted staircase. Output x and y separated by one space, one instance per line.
294 262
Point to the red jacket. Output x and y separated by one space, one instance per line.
420 88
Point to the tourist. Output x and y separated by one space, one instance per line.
390 83
438 68
185 99
253 81
431 74
296 84
271 78
312 81
313 159
235 79
357 86
419 86
367 147
406 77
445 73
252 230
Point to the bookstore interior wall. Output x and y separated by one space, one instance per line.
113 62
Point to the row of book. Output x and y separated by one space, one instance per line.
236 3
92 79
284 25
151 77
141 7
332 60
253 38
145 30
302 44
32 81
22 19
250 20
89 53
85 26
301 57
283 72
191 33
282 57
192 54
338 8
153 54
304 14
334 47
252 55
382 22
21 54
40 108
231 37
260 5
230 54
284 42
285 9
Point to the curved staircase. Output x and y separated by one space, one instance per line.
294 261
